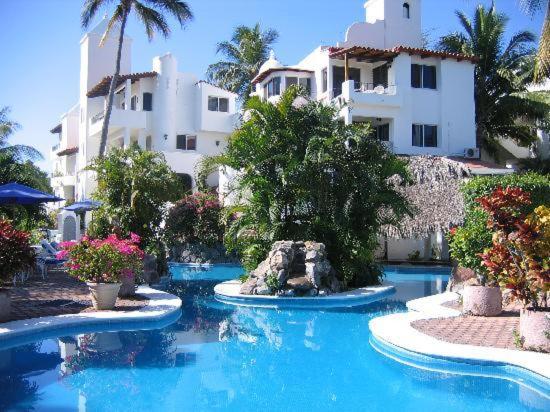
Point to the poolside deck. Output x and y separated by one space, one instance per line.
58 294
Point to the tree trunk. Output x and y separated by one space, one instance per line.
112 87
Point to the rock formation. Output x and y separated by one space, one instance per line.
293 269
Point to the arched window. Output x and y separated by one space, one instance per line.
406 11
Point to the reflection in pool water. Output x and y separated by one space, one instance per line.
218 357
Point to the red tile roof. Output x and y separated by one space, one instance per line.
68 151
354 51
102 88
261 76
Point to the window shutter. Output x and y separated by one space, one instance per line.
416 76
147 102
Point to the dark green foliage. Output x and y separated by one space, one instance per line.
245 53
133 186
304 175
471 239
504 107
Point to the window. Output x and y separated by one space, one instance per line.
291 81
383 132
148 143
133 102
305 82
338 77
424 135
147 102
406 11
274 87
324 74
218 104
380 76
423 76
186 142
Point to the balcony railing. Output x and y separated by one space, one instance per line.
375 88
98 117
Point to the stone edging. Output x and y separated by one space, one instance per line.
228 292
396 330
161 307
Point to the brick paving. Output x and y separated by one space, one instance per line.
496 332
58 294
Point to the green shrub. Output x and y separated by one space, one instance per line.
305 175
471 239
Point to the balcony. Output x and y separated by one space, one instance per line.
119 119
369 94
58 179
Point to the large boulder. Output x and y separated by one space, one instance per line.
293 268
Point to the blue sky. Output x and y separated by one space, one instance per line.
40 45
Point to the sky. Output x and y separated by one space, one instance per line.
39 69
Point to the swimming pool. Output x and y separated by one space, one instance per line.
222 357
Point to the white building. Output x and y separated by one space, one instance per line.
420 101
163 110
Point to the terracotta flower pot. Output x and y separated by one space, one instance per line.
128 287
5 305
534 328
104 295
482 301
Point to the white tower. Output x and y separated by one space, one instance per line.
96 62
388 23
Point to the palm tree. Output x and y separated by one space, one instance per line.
543 55
16 152
150 13
247 50
504 108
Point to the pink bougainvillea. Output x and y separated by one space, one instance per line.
106 260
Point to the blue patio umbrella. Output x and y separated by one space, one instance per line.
83 206
18 194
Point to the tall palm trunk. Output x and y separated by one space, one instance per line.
112 87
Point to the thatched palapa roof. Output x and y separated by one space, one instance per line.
435 197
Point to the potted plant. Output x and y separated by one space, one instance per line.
16 255
483 299
103 264
519 260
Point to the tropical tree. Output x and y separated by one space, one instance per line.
16 166
504 107
150 13
543 55
17 152
305 175
247 50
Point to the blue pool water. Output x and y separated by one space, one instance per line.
221 357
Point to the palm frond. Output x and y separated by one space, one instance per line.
89 10
180 10
115 19
152 20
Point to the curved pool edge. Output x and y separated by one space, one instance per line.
228 292
162 309
395 329
498 370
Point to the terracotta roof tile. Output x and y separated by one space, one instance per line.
102 88
68 151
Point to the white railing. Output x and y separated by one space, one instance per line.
376 88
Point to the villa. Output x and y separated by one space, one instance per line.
164 110
421 102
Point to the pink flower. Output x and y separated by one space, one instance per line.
135 238
62 254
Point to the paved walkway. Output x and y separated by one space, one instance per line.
496 332
58 294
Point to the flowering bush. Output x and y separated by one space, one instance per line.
195 218
519 258
16 253
106 260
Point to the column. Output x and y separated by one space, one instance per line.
126 137
127 94
141 139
